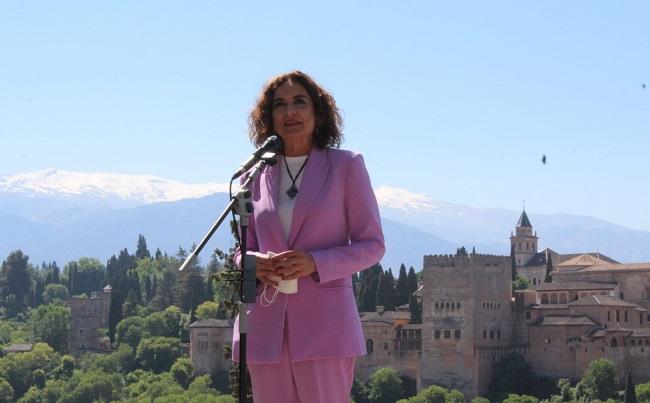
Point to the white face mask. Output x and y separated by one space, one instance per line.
284 286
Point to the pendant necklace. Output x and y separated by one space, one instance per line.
293 190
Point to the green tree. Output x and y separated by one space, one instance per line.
157 354
130 331
600 379
643 392
17 368
630 392
207 310
65 368
16 280
39 288
520 283
55 293
384 386
6 392
480 399
368 290
95 386
415 307
402 286
359 391
513 398
51 324
38 378
142 252
432 394
182 371
413 280
385 292
512 374
549 268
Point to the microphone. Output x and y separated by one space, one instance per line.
273 144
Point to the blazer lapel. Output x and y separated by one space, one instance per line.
315 174
270 181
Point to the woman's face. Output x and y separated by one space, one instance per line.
293 114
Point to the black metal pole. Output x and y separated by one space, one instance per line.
243 330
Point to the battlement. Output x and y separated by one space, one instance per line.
465 260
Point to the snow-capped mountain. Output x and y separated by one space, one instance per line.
60 215
133 189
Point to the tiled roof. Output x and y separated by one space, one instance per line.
617 266
564 321
19 348
584 259
212 323
386 315
605 300
640 332
539 258
569 256
551 306
523 220
574 285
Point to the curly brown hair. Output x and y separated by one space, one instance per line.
329 124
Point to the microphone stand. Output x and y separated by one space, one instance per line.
241 205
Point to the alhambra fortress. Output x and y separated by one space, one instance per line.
594 307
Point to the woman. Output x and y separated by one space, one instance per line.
316 211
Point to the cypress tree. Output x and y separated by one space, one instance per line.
413 280
549 268
147 289
630 393
56 274
415 308
392 292
114 314
158 254
383 296
142 252
402 286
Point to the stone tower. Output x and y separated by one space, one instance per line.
466 318
524 241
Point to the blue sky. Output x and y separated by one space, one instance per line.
459 101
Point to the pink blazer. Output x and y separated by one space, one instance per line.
336 219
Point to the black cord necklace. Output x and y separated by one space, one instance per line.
293 190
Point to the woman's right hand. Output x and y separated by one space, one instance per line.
265 270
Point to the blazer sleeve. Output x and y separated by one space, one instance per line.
366 243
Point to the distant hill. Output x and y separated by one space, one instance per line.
89 215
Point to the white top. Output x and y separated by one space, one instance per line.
285 203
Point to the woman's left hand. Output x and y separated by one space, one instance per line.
293 264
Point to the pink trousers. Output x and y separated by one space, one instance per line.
314 381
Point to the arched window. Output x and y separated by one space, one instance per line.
544 299
369 346
614 342
534 281
553 298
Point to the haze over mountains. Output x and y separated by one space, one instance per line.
62 216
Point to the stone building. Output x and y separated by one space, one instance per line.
207 340
87 316
390 339
595 307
